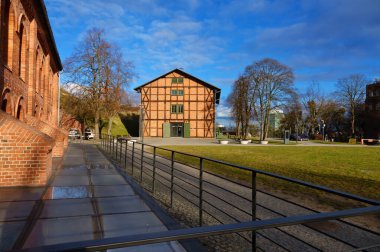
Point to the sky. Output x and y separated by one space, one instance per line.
321 40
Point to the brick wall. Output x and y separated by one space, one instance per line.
25 153
60 136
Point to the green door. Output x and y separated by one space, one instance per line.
186 130
166 130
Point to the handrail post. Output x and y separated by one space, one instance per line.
121 150
133 156
142 163
172 179
200 192
108 143
253 206
117 148
154 170
125 154
113 146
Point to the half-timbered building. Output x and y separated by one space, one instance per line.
178 104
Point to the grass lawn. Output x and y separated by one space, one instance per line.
118 127
350 169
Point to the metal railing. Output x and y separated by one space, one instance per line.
199 197
248 216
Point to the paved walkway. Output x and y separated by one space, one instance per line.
88 199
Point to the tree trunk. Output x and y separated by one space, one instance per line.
109 125
97 117
353 123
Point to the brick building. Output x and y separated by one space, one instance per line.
178 104
372 111
29 86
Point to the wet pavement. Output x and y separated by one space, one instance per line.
87 199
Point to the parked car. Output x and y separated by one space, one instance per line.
88 134
74 134
300 137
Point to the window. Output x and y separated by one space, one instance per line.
177 80
177 92
377 106
177 109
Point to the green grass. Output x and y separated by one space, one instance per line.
327 142
350 169
118 127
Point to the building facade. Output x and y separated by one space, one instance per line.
178 104
29 87
372 111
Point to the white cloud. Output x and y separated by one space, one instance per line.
223 111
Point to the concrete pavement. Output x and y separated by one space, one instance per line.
87 199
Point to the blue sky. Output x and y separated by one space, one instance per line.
321 40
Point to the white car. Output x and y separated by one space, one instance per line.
88 134
74 134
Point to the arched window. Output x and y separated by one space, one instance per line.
8 42
6 102
36 72
20 113
35 113
23 50
40 77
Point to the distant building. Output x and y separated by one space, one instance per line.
275 117
178 104
372 110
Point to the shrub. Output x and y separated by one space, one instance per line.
352 141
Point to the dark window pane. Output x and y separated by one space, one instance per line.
180 109
180 80
174 80
174 108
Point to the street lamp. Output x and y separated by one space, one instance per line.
323 130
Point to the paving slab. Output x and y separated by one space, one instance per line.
71 181
89 199
20 193
15 210
121 205
67 192
106 179
9 231
61 230
67 208
113 191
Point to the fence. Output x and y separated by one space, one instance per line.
249 214
187 186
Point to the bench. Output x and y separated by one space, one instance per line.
369 140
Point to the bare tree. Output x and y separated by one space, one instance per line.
313 101
271 83
351 93
118 75
293 115
98 69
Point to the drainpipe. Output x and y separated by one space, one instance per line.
215 113
59 98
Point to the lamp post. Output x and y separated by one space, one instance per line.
323 130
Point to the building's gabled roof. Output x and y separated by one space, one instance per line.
216 89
